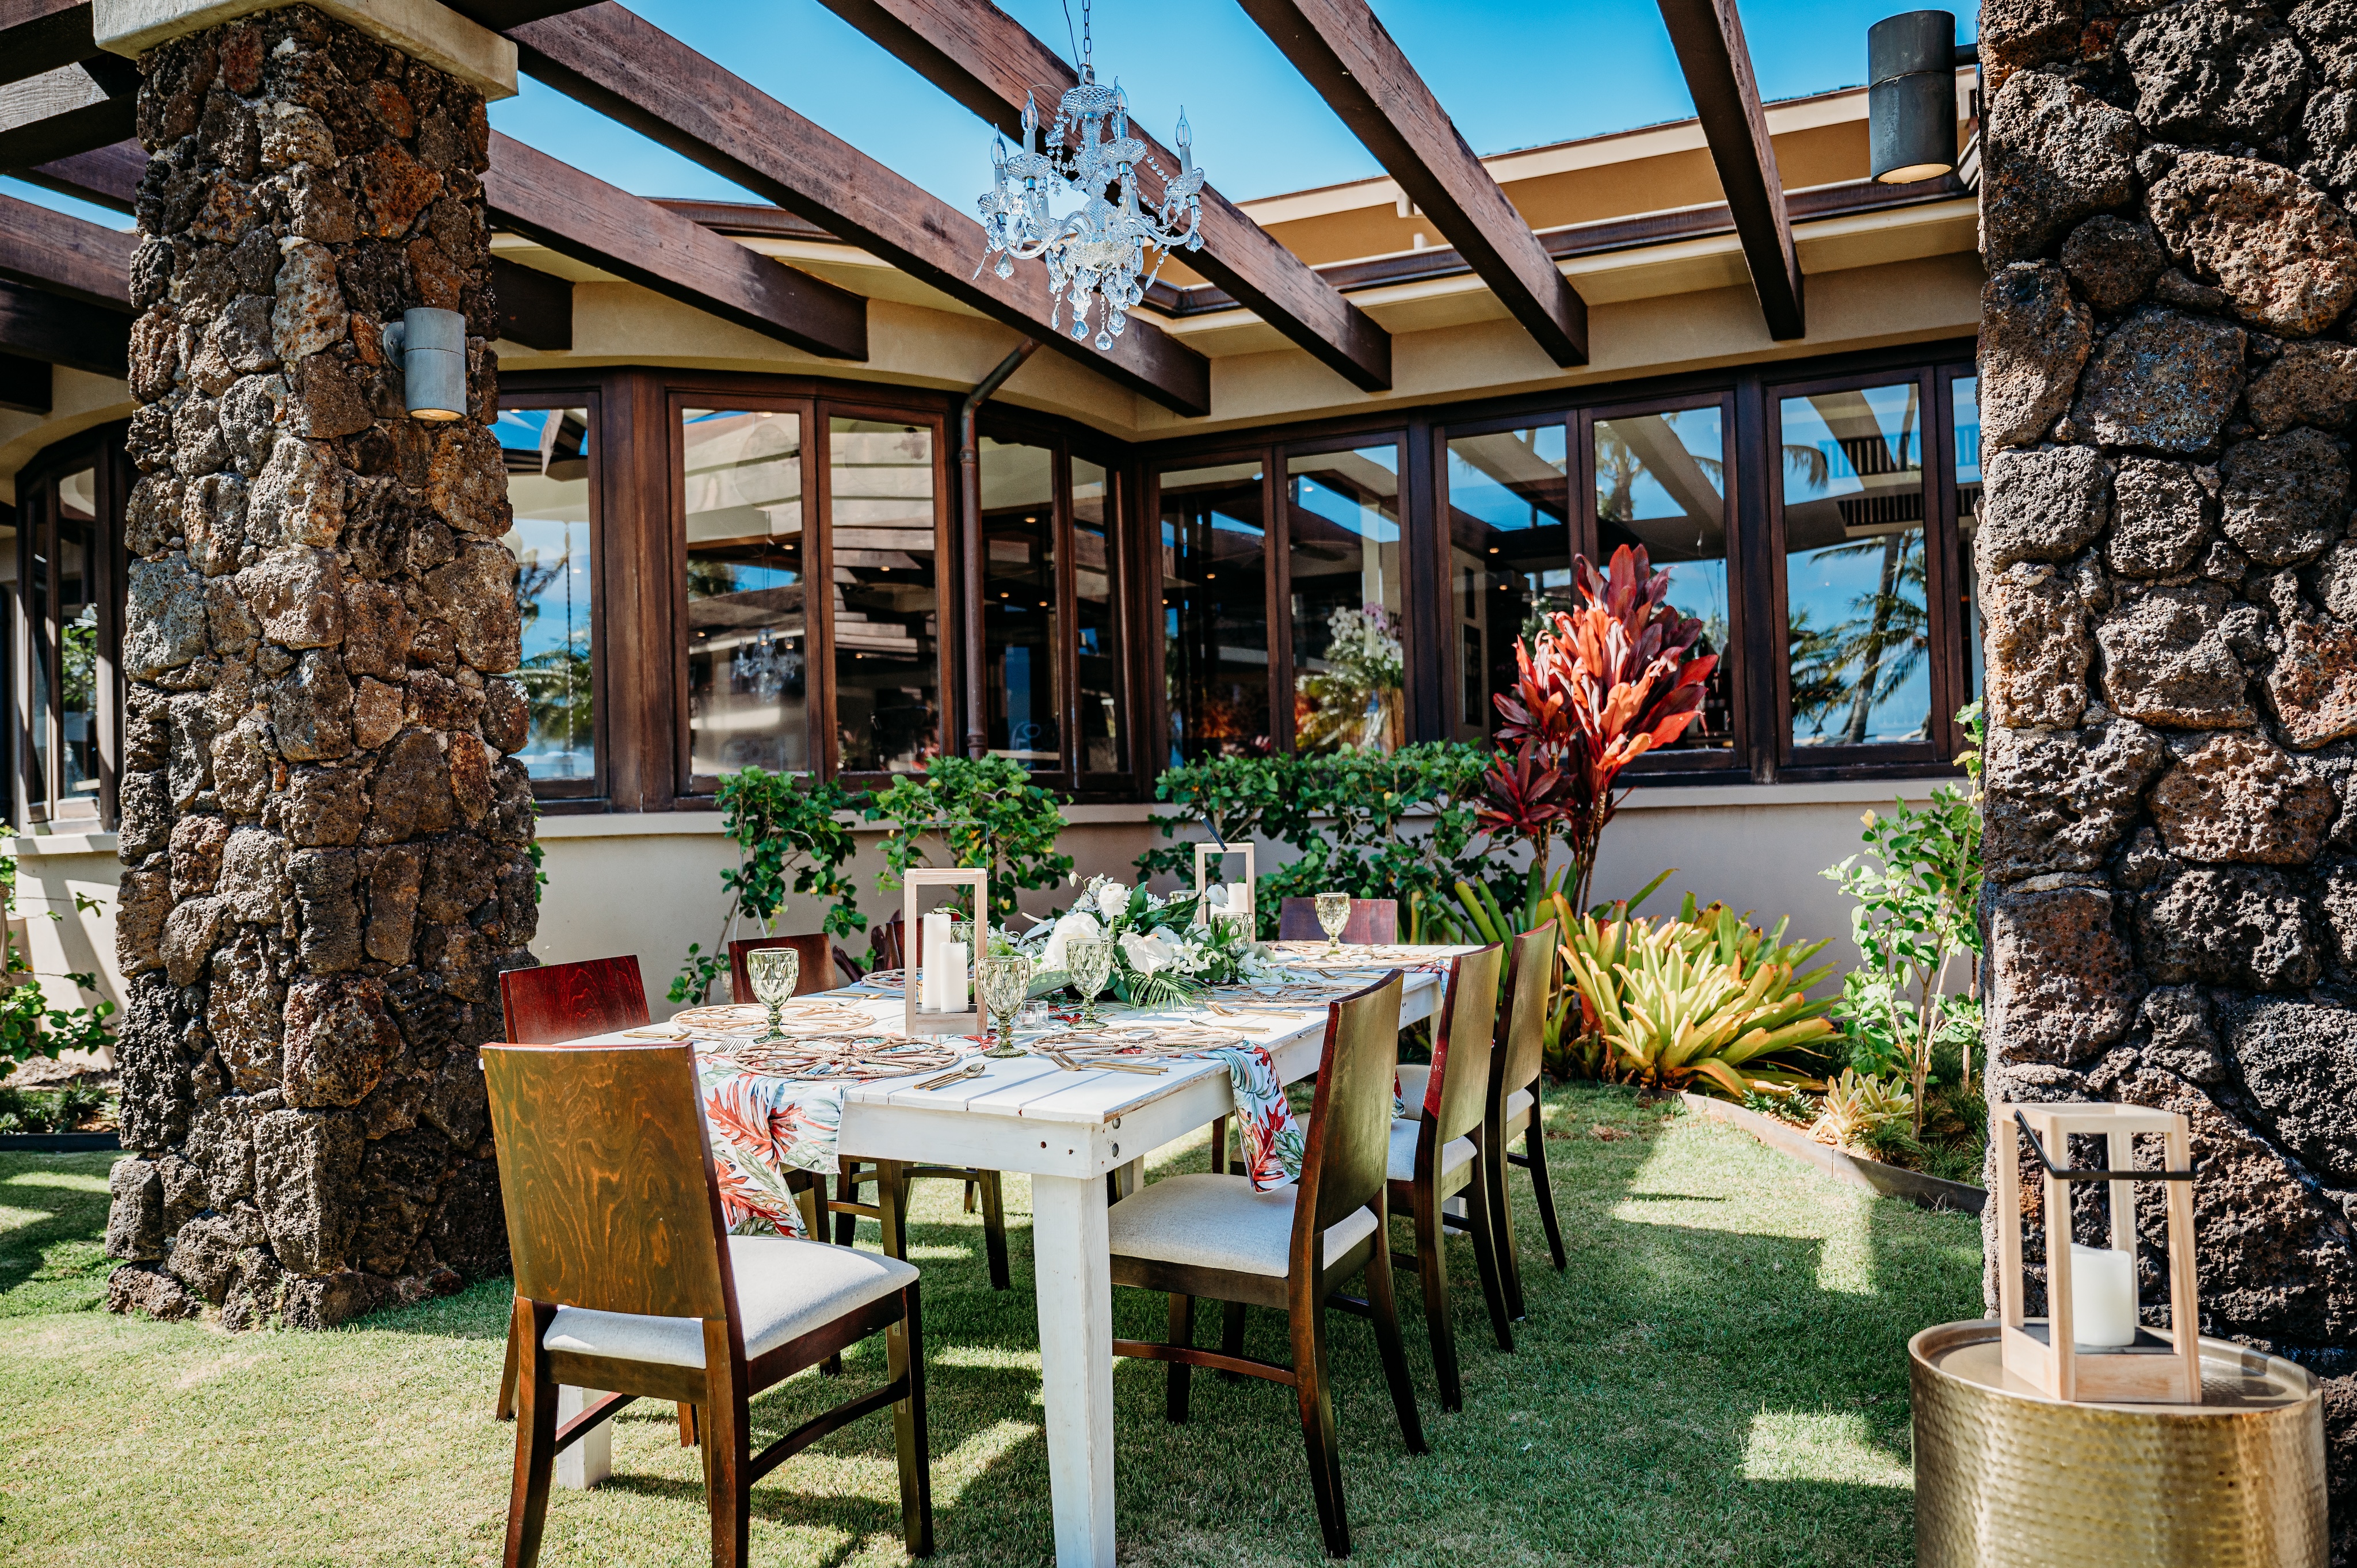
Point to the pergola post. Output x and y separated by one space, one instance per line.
2168 593
324 838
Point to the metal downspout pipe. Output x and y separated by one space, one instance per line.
977 743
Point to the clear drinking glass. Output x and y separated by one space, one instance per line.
1333 914
1090 961
1005 982
774 972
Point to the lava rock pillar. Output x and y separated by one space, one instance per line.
324 843
2168 586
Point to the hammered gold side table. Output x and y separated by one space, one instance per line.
2008 1478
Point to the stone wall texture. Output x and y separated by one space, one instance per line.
324 840
2171 598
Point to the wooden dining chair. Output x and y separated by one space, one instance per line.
888 942
1435 1153
627 1281
815 974
1212 1236
1372 920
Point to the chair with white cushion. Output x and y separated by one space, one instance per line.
1213 1235
626 1280
1436 1154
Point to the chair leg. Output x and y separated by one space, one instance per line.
1318 1425
1383 1304
969 1194
535 1454
1432 1267
1542 1186
994 1228
1182 1333
506 1408
1485 1257
904 1354
1501 1222
687 1438
1232 1336
727 1461
847 1190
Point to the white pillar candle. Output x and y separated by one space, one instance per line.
954 977
931 984
2103 1298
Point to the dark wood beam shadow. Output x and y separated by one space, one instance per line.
37 325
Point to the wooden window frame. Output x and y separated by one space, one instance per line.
1955 649
1150 522
106 560
584 395
1119 487
1278 472
1452 703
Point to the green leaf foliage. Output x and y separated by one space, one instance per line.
789 840
986 812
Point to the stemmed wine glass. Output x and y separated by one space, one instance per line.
1333 914
1090 961
1005 982
774 972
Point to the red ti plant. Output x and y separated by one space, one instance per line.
1598 688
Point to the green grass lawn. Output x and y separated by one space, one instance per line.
1718 1378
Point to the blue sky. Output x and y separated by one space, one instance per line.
1513 74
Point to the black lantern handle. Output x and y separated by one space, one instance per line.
2065 1173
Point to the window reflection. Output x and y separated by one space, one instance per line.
1856 626
1096 619
547 456
747 638
1215 611
77 646
1509 556
1967 395
887 605
1343 534
1661 482
1018 602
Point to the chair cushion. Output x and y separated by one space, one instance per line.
1454 1158
1414 1078
1218 1222
1518 1108
784 1289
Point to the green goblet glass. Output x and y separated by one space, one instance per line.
1333 915
1090 961
774 972
1005 983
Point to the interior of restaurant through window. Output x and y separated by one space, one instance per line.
1342 597
886 595
747 634
1215 590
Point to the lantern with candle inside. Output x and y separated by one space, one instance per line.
938 994
1239 905
2089 1346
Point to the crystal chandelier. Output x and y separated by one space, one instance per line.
1100 248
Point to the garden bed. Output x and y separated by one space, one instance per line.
1890 1181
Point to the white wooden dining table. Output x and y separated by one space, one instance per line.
1067 1130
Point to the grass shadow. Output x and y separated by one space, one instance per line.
52 1230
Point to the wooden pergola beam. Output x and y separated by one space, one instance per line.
641 75
38 35
535 308
56 331
983 59
24 384
58 255
1709 37
1340 49
69 110
106 177
579 215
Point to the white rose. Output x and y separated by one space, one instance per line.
1075 924
1112 898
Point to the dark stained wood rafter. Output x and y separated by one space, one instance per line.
1346 54
37 325
37 36
500 15
535 308
72 109
65 256
983 59
106 177
1709 37
580 216
24 384
636 74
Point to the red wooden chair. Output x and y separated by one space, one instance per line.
560 1001
816 973
1372 920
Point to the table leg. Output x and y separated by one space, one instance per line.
1074 1285
590 1460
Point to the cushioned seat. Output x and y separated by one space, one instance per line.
1220 1222
1413 1079
784 1289
1518 1107
1455 1157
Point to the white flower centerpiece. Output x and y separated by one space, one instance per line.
1161 957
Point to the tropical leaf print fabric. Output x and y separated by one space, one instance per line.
761 1128
1272 1138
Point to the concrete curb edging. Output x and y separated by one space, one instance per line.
1888 1181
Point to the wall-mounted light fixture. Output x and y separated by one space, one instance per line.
432 348
1910 98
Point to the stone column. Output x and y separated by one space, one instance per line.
324 844
2169 593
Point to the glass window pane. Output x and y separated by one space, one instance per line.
547 453
1215 611
1661 482
1343 538
1096 612
1018 604
887 595
40 549
747 636
77 626
1509 555
1966 394
1855 628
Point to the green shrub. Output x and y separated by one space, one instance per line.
789 840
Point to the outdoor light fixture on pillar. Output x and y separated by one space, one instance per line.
1911 102
432 347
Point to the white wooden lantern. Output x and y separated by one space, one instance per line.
2151 1367
1207 852
932 1009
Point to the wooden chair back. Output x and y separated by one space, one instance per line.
560 1001
1372 920
1530 983
605 1174
1456 1092
816 973
890 941
1349 1151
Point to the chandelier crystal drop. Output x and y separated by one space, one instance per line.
1096 252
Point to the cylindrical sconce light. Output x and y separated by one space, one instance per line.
432 347
1910 98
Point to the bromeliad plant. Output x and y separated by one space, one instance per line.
789 840
1704 999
